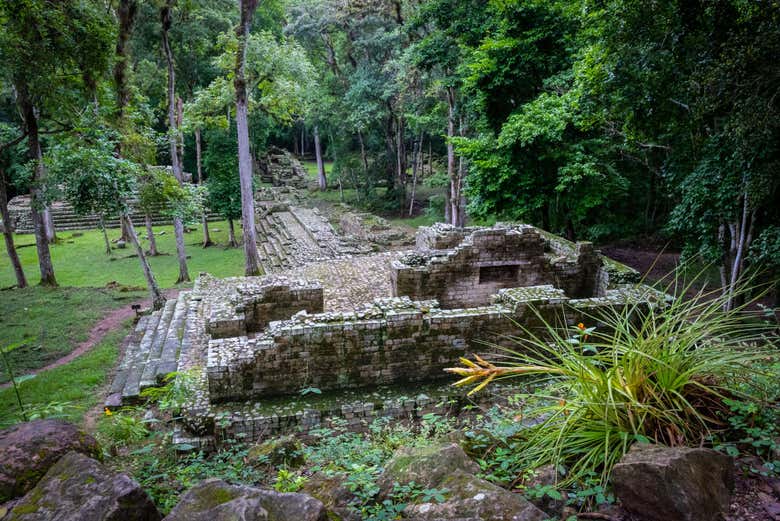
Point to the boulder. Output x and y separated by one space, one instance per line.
215 500
427 466
78 488
28 450
468 496
687 484
282 450
333 494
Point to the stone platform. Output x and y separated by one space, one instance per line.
250 345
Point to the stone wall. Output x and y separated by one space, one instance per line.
281 168
485 260
392 341
246 305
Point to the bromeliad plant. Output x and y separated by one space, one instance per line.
661 375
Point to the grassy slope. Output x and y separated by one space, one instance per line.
75 385
51 321
81 261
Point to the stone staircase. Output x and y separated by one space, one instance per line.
65 218
297 236
153 351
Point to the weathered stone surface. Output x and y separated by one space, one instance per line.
427 466
215 500
333 494
78 488
28 450
687 484
277 451
471 497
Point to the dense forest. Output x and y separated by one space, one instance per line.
602 120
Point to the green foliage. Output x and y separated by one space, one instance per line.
178 389
122 427
659 375
220 163
288 481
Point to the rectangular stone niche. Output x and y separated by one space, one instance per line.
507 273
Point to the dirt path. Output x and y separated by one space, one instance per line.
103 326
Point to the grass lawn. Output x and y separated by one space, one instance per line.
52 321
67 391
311 168
81 260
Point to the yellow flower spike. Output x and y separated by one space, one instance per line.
467 362
107 411
468 380
581 326
482 385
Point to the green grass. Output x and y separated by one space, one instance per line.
67 391
81 261
53 319
311 168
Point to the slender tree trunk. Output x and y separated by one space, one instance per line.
232 234
204 218
742 243
251 255
8 235
102 223
363 156
34 153
150 236
158 299
454 193
416 160
430 156
48 221
400 154
303 139
178 226
322 181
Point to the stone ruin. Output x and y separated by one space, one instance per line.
280 168
253 345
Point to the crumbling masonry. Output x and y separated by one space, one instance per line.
249 342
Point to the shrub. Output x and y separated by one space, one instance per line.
664 375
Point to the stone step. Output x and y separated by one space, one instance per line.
133 345
172 346
148 376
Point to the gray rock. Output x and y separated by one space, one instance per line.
78 488
468 496
426 466
215 500
277 451
333 494
28 450
687 484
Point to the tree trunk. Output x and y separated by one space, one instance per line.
363 156
34 153
10 248
150 236
178 226
102 223
158 299
400 154
430 156
48 222
322 181
204 218
251 255
232 234
416 160
454 192
739 244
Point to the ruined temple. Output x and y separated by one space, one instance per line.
249 342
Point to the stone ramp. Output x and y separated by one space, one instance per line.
153 351
295 236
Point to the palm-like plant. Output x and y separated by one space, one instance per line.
658 375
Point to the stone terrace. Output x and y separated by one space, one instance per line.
334 325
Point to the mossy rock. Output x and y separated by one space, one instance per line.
28 450
285 450
427 466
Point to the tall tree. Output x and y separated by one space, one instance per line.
173 135
251 255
